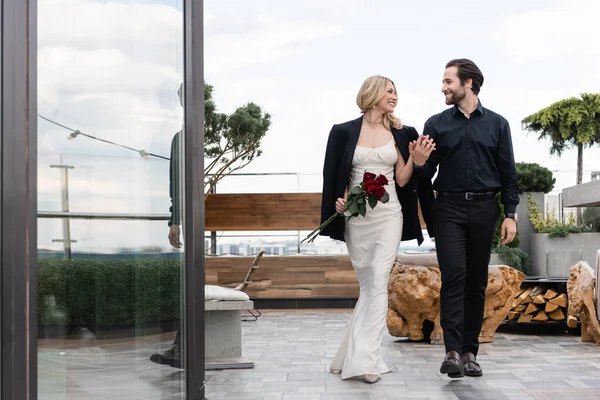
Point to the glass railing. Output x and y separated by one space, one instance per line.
122 203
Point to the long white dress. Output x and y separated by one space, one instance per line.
373 243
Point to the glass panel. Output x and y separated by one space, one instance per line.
110 283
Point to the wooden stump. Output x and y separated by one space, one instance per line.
580 287
503 284
414 298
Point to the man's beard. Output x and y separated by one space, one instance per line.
456 97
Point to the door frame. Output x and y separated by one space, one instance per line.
18 197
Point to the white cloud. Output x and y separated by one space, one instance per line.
566 29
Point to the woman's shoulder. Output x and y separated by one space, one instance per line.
342 129
406 130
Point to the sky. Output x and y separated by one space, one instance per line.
112 69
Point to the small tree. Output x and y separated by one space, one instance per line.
567 123
230 141
532 177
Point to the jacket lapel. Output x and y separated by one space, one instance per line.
401 141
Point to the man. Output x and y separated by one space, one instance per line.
172 356
475 157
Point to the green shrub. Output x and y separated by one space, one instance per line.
533 177
107 293
497 240
590 219
515 258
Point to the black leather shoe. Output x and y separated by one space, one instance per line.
170 357
472 368
452 365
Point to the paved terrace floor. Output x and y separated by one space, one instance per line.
292 351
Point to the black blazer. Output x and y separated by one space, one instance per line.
336 172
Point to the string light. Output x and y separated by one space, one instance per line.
76 132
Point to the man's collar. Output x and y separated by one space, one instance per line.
479 108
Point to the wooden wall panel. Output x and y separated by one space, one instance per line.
265 212
287 277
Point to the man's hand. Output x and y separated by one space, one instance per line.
509 230
421 149
174 236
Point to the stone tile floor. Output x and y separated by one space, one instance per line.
292 351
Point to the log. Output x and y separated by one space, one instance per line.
512 315
560 300
520 291
541 316
535 292
550 294
522 297
525 318
520 308
550 307
557 315
572 321
539 299
531 308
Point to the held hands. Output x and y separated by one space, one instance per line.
509 230
420 149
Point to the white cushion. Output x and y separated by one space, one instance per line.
213 292
422 258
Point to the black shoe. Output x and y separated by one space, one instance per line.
472 368
452 366
170 357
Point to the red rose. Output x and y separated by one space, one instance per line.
380 192
372 187
382 179
369 176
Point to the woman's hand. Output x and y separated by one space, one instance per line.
340 205
421 149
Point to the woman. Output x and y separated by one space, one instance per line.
370 143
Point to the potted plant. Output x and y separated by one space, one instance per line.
535 181
556 245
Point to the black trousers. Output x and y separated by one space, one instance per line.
464 233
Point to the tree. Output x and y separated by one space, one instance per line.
567 123
230 141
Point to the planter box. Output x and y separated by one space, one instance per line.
524 226
552 257
495 259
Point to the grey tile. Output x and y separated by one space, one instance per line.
292 351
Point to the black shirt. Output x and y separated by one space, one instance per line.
175 169
474 154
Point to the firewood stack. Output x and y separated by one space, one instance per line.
538 303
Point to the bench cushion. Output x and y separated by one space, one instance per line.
214 292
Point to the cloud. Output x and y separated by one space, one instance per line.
568 29
260 39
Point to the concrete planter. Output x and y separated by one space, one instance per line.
524 225
495 259
552 257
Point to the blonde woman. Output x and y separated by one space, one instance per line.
376 142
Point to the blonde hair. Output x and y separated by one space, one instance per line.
370 94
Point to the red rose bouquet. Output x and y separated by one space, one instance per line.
369 191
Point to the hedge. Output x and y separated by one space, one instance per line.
106 293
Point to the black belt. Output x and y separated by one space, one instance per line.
469 195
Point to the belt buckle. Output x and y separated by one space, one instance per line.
469 196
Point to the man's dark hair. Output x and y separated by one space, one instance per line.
466 69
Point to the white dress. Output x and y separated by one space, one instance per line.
373 243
